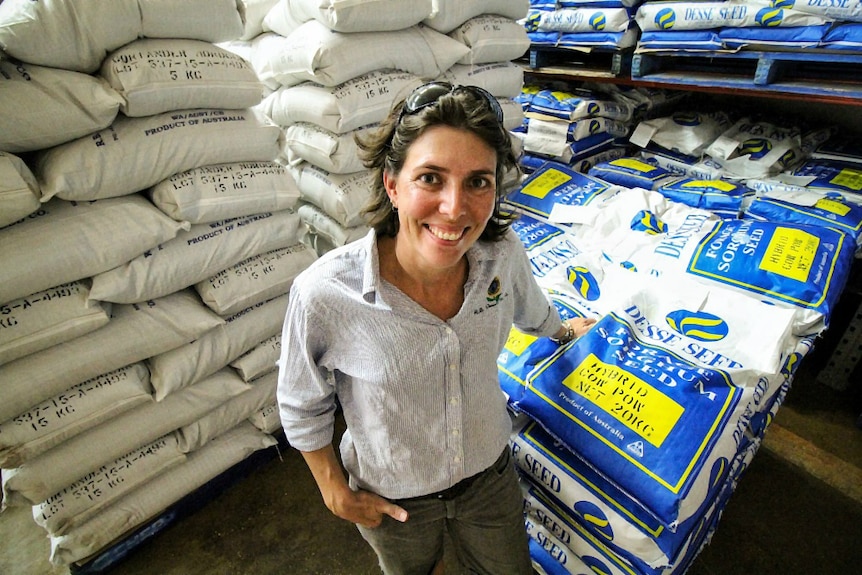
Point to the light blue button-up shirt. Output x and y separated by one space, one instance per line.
420 396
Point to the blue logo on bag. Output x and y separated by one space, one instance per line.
756 148
627 265
697 325
598 21
584 282
769 17
533 20
688 119
647 222
783 3
593 109
595 126
593 516
665 18
594 564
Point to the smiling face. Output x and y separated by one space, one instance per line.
445 194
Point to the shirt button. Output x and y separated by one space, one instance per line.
454 401
455 432
453 367
456 459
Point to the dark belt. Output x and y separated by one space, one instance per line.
462 486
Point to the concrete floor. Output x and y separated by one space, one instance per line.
797 510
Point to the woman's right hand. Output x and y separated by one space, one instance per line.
362 507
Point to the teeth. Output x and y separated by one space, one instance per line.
451 237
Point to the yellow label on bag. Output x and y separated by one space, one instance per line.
791 253
546 182
518 341
629 399
832 206
848 178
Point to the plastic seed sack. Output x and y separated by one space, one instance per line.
686 132
632 173
724 198
751 149
663 16
810 208
803 267
156 75
574 20
576 105
522 352
552 189
655 412
152 148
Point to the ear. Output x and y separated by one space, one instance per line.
389 186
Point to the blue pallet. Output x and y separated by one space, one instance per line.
613 62
808 73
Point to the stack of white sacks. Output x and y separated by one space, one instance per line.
335 69
148 246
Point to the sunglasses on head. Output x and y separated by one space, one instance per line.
428 94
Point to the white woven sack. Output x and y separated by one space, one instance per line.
67 241
208 20
342 196
259 360
491 38
449 14
314 52
333 152
323 226
222 191
185 365
71 412
42 107
136 153
360 15
155 75
267 419
502 79
48 317
85 497
57 468
195 255
513 114
152 498
67 35
19 190
358 102
254 280
228 415
253 12
280 20
78 35
134 333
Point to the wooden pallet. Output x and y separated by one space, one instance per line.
612 62
808 73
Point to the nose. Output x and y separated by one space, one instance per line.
453 199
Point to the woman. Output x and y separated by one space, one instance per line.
403 329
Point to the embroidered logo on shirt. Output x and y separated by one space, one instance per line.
495 292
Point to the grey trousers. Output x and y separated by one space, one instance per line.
485 524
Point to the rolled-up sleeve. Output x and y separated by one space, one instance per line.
534 312
305 393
